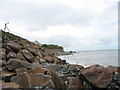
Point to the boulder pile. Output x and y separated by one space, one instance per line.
24 64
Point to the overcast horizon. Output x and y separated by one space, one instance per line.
76 25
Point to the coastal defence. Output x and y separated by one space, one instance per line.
26 65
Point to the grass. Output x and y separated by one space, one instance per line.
51 46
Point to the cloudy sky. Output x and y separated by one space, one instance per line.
74 24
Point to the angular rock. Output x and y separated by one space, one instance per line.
75 83
13 64
99 75
27 55
11 55
49 59
43 80
20 57
21 70
14 46
24 80
6 76
58 82
33 51
10 85
36 68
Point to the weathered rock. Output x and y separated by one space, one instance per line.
43 80
27 55
53 67
98 75
14 46
49 59
11 55
20 57
2 53
58 82
21 70
13 64
24 80
10 85
6 76
33 51
75 83
36 68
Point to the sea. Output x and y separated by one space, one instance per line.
88 58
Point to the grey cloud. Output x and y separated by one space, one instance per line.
45 15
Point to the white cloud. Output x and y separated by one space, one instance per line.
74 24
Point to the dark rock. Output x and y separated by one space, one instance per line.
27 55
14 46
99 75
13 64
75 83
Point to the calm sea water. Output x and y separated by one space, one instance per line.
87 58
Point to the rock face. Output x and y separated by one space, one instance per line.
99 75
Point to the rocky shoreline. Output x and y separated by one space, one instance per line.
24 64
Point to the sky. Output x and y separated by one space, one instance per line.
76 25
